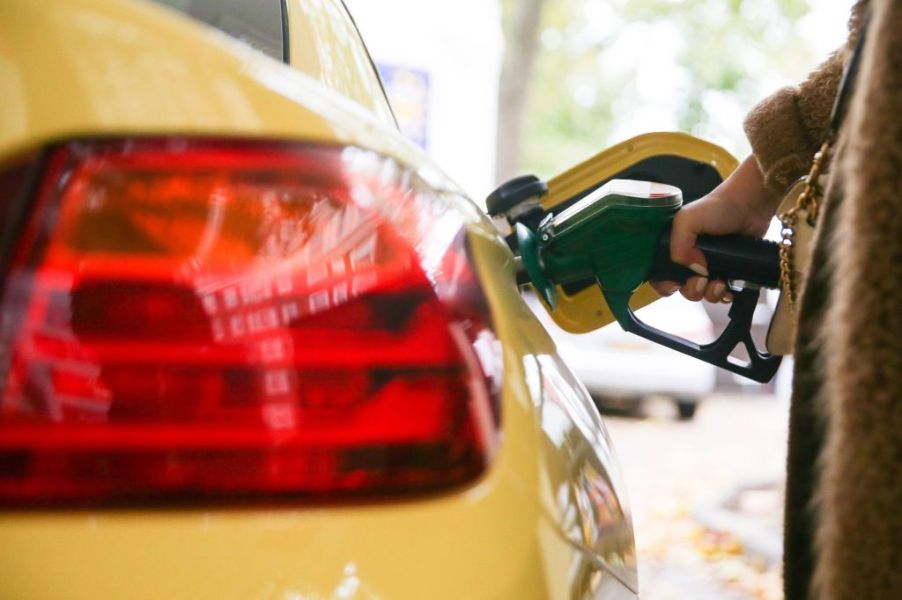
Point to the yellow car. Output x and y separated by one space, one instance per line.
254 344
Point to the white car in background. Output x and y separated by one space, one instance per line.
620 369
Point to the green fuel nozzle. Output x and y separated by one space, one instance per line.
618 237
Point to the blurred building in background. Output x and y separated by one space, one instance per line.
440 63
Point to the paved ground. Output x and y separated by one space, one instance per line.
680 474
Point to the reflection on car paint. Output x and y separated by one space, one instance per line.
591 513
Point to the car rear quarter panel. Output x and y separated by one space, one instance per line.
544 522
101 67
325 44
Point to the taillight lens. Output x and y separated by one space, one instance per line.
194 320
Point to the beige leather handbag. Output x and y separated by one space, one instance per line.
798 215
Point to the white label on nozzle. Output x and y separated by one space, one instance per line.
501 224
639 189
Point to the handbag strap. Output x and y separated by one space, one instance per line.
846 85
808 202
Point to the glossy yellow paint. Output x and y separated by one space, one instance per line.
101 68
587 310
321 37
548 519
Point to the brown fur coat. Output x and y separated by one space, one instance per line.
843 531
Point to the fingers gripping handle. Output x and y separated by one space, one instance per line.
730 257
760 367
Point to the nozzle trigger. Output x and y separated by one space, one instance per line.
760 367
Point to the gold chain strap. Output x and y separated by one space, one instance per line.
809 201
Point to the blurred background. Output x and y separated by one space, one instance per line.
497 88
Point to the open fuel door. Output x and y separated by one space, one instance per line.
693 165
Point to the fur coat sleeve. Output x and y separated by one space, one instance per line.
787 128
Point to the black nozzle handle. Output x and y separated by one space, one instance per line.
760 366
730 257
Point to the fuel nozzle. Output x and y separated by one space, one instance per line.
608 235
516 201
619 236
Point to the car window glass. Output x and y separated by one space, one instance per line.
255 22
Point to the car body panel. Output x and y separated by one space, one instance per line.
321 36
547 520
158 71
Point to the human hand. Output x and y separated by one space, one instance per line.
741 204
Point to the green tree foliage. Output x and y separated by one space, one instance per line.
600 61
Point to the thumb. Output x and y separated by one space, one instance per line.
686 227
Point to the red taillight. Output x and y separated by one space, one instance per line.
188 319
